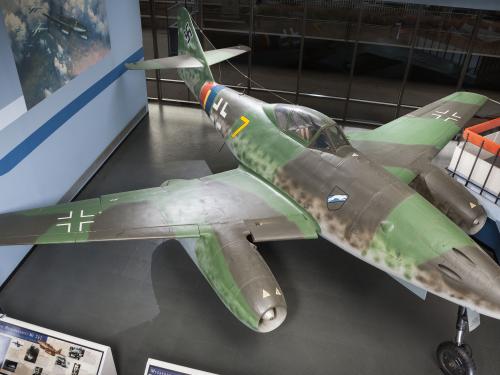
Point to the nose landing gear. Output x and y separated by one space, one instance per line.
455 358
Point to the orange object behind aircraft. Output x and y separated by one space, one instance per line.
473 135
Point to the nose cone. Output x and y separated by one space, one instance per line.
467 276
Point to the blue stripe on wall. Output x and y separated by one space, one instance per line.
23 149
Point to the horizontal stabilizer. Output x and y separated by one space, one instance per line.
219 55
172 62
186 61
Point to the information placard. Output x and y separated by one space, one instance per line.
155 367
26 349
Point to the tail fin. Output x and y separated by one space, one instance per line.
189 44
192 63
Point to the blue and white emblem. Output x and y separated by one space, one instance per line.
336 198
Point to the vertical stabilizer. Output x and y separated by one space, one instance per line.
189 44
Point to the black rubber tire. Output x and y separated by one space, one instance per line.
455 360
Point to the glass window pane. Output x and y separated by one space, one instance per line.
225 73
483 71
384 43
227 15
325 68
172 90
278 18
330 107
388 23
275 61
330 20
439 54
366 113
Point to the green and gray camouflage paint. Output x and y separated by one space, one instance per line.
358 196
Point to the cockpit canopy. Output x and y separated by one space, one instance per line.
311 128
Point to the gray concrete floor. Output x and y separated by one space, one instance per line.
146 298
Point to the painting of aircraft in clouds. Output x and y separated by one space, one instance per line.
53 41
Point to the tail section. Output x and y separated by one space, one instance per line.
192 63
189 44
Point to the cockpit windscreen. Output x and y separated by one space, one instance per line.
310 127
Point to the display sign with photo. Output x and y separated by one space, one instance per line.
155 367
154 370
26 352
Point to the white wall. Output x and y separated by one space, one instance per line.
38 164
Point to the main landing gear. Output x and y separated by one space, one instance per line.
455 358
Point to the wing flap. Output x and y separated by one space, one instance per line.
277 229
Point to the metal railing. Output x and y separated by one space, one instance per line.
480 188
427 30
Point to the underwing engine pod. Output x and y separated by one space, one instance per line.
240 277
451 198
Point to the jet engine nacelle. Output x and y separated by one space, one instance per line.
451 198
240 277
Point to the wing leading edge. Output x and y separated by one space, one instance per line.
177 209
212 216
405 146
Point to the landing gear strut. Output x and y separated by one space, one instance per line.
455 358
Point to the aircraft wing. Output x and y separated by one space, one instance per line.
405 146
177 209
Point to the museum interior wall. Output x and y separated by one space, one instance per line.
67 117
366 62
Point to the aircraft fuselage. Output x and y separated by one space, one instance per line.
357 204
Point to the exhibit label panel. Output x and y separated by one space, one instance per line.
155 367
30 350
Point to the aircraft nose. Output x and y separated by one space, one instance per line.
469 276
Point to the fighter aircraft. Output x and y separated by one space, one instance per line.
38 29
375 195
49 349
17 344
67 25
34 9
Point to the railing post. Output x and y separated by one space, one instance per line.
353 61
489 172
474 164
155 46
470 47
410 59
250 44
460 156
301 52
